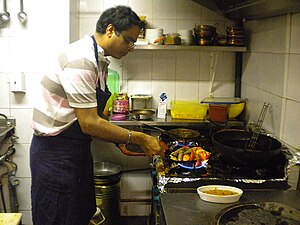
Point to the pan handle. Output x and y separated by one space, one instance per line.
125 151
144 125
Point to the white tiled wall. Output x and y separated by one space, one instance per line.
270 73
27 48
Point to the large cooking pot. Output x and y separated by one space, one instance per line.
230 146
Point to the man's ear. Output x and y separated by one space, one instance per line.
110 30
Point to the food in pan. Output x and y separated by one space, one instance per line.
186 153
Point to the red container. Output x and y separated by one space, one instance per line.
218 112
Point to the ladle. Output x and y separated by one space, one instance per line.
22 15
4 16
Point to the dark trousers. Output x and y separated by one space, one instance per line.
62 190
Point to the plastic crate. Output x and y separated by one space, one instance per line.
188 110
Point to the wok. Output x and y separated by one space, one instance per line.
230 146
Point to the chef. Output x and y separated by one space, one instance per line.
68 113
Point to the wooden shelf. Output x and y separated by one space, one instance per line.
192 48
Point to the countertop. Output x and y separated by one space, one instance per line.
10 218
169 121
189 209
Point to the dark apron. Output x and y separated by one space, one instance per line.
62 190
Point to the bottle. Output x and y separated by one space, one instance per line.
162 106
113 87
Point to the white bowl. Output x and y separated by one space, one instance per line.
219 198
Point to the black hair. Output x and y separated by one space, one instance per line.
121 17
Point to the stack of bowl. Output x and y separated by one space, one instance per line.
236 36
186 36
153 34
205 34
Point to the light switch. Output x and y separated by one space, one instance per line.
17 83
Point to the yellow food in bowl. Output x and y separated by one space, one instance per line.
236 109
220 192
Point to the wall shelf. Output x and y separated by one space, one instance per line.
192 48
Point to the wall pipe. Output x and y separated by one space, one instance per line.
238 74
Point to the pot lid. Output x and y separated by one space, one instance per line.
221 100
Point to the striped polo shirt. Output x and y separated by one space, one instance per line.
71 84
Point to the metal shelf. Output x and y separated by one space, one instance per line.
192 48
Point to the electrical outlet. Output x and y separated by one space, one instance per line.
17 83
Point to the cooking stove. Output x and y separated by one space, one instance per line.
169 177
178 178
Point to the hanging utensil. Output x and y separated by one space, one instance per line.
253 139
22 15
4 16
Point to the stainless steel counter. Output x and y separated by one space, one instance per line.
189 209
177 122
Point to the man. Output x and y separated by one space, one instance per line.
68 113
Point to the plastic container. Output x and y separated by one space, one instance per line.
188 110
218 112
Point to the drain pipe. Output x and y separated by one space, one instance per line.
238 74
13 182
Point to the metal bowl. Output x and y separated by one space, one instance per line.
142 114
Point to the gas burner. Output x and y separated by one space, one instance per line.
188 172
188 143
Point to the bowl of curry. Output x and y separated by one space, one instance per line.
219 193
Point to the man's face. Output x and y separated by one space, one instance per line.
122 42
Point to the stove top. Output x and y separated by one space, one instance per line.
271 176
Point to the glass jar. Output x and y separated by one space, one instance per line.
172 39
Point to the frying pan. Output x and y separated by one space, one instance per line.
231 146
172 135
258 213
175 134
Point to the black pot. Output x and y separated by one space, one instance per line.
230 146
